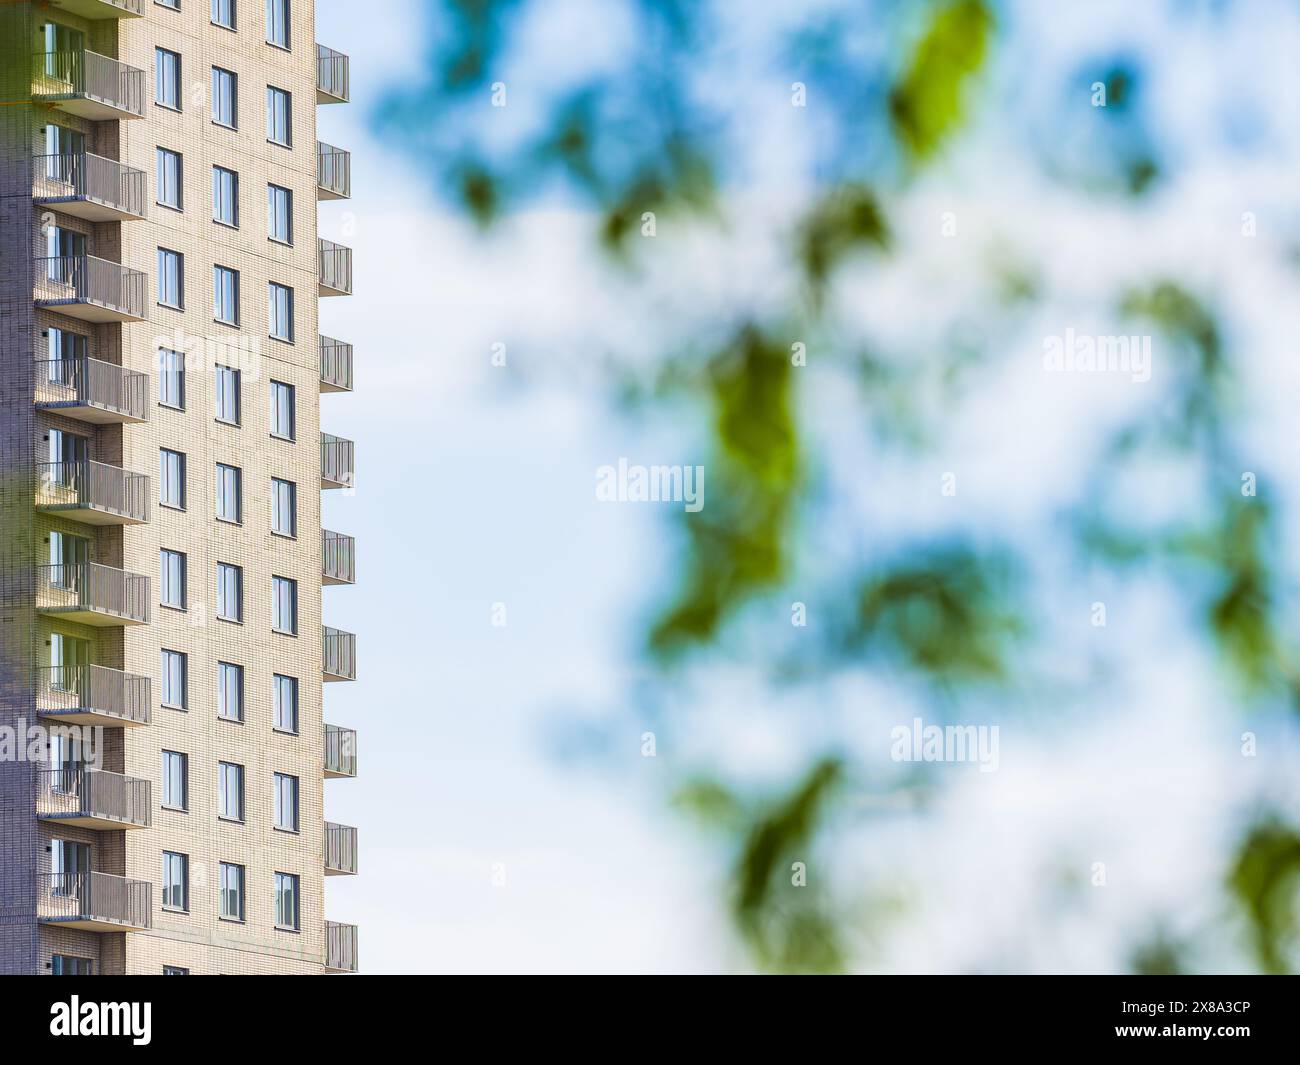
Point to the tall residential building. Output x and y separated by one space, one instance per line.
161 461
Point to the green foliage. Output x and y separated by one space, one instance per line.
945 613
926 104
846 220
1265 880
787 927
737 542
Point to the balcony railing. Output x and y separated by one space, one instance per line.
90 288
93 798
89 84
338 558
95 901
335 268
333 172
92 695
340 655
90 186
93 594
93 492
331 76
335 365
340 751
98 9
337 461
92 391
340 947
340 849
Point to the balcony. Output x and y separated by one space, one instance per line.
340 752
335 268
89 186
92 798
94 290
335 365
340 655
95 902
89 390
340 947
92 492
93 594
92 695
331 76
333 172
338 558
337 461
99 9
340 849
88 85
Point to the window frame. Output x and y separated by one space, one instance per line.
222 889
178 372
238 571
183 863
169 255
292 486
276 582
165 479
169 554
222 791
158 53
274 94
222 76
160 155
218 173
218 273
277 704
166 777
166 656
222 702
275 289
282 880
220 494
271 213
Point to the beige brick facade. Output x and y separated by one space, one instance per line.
197 940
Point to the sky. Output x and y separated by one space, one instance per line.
481 850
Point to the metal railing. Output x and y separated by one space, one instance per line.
94 485
335 265
333 169
136 7
86 279
340 848
335 363
338 556
90 177
340 750
95 897
337 459
341 946
97 689
332 72
340 653
85 73
87 382
91 587
83 792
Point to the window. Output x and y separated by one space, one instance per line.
223 13
277 23
172 579
169 178
167 78
284 507
232 891
226 393
175 780
225 196
230 691
171 278
174 5
171 478
230 791
230 592
280 311
285 697
175 970
67 965
224 96
282 410
171 378
176 881
284 605
174 686
286 802
225 295
229 493
286 901
278 116
279 214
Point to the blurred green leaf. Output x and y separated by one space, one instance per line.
846 220
926 104
1265 879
